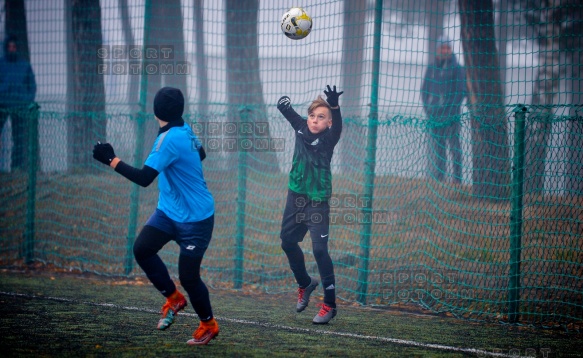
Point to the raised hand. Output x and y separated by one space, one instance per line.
284 104
332 96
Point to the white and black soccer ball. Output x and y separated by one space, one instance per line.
296 23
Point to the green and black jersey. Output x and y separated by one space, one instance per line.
310 173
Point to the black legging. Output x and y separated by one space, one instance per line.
148 243
297 264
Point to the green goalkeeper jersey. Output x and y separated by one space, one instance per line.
310 173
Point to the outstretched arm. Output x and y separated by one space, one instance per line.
284 106
332 97
336 128
143 177
104 153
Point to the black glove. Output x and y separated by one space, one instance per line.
103 152
284 104
332 96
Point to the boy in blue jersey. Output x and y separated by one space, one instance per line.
185 212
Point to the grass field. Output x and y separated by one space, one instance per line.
81 222
52 313
432 229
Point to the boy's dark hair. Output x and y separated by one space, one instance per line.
318 102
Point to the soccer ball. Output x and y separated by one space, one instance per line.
296 23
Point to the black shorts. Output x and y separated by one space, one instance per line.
193 237
301 215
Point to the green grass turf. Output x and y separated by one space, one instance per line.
56 314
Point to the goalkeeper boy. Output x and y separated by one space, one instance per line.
185 212
309 188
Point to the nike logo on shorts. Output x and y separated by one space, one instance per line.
323 236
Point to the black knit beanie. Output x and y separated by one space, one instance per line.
169 104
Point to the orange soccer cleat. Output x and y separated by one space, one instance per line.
204 333
174 303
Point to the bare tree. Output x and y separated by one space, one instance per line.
166 29
86 120
574 131
488 123
545 16
133 94
202 76
352 147
435 16
201 63
244 86
504 18
572 43
557 26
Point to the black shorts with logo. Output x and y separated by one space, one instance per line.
193 237
302 214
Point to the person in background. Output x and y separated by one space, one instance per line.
442 93
17 94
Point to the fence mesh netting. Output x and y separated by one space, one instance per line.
477 212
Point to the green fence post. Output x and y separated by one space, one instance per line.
134 195
516 213
32 114
370 163
140 132
241 197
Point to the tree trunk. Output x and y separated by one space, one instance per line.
202 78
435 27
165 29
352 148
244 87
502 36
86 122
574 132
490 159
201 64
574 46
170 26
133 95
544 95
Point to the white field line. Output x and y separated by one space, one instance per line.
404 342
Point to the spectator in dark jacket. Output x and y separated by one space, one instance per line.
442 92
17 93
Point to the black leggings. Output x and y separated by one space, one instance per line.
149 242
297 264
